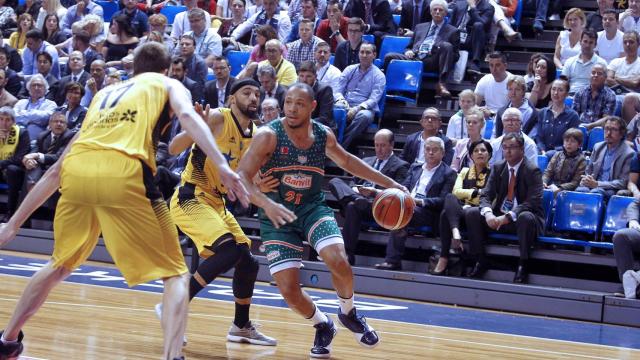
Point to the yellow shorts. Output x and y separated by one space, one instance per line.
110 193
203 218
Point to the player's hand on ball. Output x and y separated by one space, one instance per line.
279 215
234 185
399 187
7 233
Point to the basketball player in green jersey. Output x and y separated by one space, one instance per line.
294 150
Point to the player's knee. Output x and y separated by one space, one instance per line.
291 292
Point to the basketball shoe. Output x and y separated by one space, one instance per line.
13 350
325 332
249 334
365 335
158 309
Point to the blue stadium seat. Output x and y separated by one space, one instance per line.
568 101
596 135
585 137
615 217
331 59
391 44
404 76
396 19
4 186
517 16
369 38
488 128
543 161
578 212
171 11
211 77
109 8
340 116
237 61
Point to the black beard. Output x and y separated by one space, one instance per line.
251 114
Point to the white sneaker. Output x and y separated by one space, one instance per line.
554 17
249 334
630 283
158 309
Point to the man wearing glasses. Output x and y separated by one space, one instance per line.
431 124
512 123
347 52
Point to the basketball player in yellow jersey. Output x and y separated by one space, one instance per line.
198 208
105 179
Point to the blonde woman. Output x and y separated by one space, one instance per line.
18 39
568 43
50 7
94 25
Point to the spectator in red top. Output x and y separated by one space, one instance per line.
333 30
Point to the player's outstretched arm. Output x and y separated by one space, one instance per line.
262 147
44 188
193 124
355 166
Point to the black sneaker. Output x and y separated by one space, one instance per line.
325 332
365 335
13 350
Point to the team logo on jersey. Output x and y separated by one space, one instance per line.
129 115
297 181
284 150
302 159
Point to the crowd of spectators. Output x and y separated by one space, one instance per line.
57 56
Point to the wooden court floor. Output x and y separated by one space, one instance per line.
91 322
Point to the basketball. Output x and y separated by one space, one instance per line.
393 209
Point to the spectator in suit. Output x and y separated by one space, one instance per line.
44 69
303 49
309 10
78 12
36 45
610 161
596 100
81 42
49 146
465 196
566 167
269 15
77 74
356 197
347 52
14 145
413 12
33 113
269 85
323 113
511 202
216 91
376 15
13 80
138 19
429 183
474 124
326 73
269 110
95 83
194 65
436 44
14 60
492 90
208 42
334 29
361 87
431 123
512 123
73 111
177 71
6 99
626 248
624 72
553 121
578 68
516 91
473 19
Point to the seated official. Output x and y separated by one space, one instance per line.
475 125
511 123
457 126
610 161
356 197
72 110
269 85
626 248
49 146
553 121
566 167
595 101
511 202
413 147
323 113
14 145
429 183
216 91
466 195
33 113
76 74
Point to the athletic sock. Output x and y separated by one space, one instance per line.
242 315
346 304
7 342
318 317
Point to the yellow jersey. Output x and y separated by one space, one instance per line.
232 141
128 117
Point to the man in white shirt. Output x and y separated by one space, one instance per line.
268 16
624 72
578 68
610 39
512 123
208 42
181 22
492 88
327 74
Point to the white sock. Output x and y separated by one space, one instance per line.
7 342
318 317
346 304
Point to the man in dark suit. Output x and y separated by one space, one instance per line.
77 74
44 68
323 113
82 42
347 51
431 123
429 183
511 202
473 19
376 15
14 60
408 18
177 71
356 198
435 44
14 82
269 87
49 146
216 91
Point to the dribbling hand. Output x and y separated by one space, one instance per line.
7 233
278 214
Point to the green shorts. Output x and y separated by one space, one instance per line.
284 246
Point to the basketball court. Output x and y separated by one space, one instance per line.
93 315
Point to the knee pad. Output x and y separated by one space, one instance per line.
244 278
225 257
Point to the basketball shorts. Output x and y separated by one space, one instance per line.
110 193
284 246
204 218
